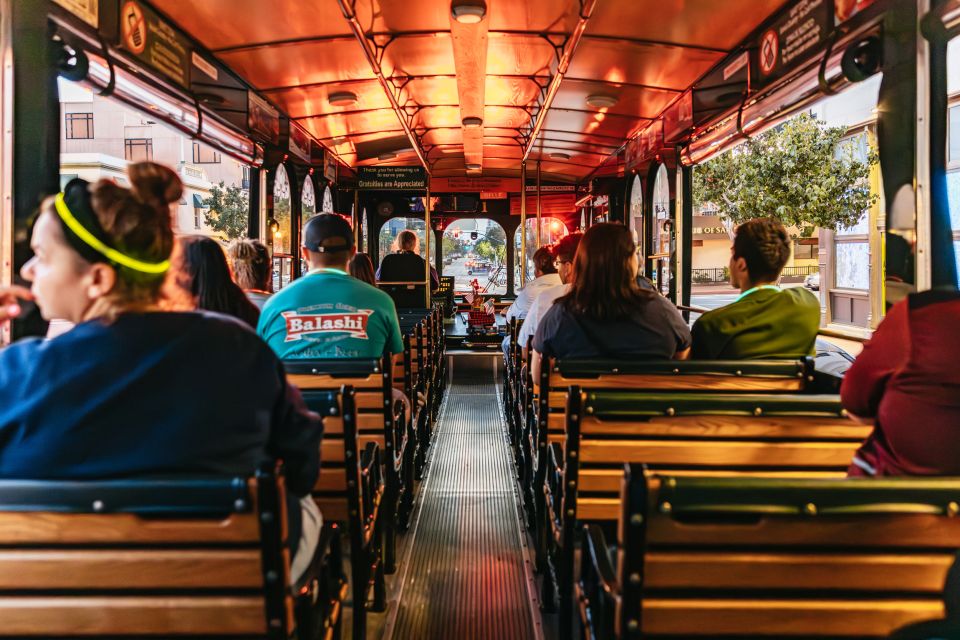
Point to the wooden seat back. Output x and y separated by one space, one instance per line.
145 558
705 556
406 295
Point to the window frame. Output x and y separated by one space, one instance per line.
198 155
70 118
130 143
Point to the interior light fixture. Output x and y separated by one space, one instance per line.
468 11
472 121
473 166
342 98
338 140
389 155
560 156
601 100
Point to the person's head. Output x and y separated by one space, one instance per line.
361 268
604 283
327 242
543 262
250 263
564 252
205 276
761 248
101 249
408 241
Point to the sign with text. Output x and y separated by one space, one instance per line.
709 228
329 166
155 42
262 118
797 34
493 195
478 184
86 10
299 143
391 178
552 188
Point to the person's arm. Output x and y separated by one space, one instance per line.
682 355
535 361
9 305
679 328
434 279
865 380
295 438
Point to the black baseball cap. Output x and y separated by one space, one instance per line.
327 233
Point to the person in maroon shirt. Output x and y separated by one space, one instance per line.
907 379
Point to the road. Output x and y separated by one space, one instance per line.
462 279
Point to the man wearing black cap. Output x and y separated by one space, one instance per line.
327 313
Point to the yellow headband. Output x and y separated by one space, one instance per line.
115 256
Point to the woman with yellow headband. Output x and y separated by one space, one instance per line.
133 390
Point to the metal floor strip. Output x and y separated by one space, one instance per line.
464 573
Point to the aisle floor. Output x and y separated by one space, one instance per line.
466 570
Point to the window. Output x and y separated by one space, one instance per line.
245 181
805 249
138 149
852 250
197 217
205 155
79 126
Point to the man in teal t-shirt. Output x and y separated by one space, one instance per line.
765 322
328 313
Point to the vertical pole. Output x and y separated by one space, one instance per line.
36 131
427 233
684 235
253 204
356 218
539 209
296 217
523 223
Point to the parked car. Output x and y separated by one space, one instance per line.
812 282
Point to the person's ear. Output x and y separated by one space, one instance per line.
100 280
305 253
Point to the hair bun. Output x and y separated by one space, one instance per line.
154 184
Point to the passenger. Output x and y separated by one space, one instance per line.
564 251
606 314
907 379
406 265
361 268
251 266
132 390
764 321
327 313
545 276
205 277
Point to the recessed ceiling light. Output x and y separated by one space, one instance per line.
560 156
338 140
389 155
468 11
472 166
342 98
601 100
472 121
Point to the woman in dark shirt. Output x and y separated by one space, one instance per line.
607 314
132 390
205 277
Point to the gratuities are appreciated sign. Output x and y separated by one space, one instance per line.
391 178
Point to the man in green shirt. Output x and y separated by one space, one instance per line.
328 313
765 322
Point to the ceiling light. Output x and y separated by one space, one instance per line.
338 140
389 155
560 156
472 121
473 166
468 11
601 100
450 150
342 98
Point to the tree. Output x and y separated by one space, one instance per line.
227 210
804 173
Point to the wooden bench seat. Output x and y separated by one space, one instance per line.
197 557
722 434
770 557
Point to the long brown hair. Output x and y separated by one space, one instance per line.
361 268
604 287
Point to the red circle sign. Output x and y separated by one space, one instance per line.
133 27
769 51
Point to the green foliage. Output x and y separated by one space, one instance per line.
228 210
804 173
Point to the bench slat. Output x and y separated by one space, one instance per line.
77 528
809 455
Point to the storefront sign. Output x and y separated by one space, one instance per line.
263 118
299 142
86 10
474 185
391 178
797 34
709 228
155 42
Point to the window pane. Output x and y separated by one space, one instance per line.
853 265
954 147
956 253
281 213
476 250
953 198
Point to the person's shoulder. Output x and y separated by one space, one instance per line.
802 297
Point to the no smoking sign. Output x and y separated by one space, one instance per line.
133 27
769 51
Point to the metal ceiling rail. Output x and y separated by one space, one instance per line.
351 17
586 11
